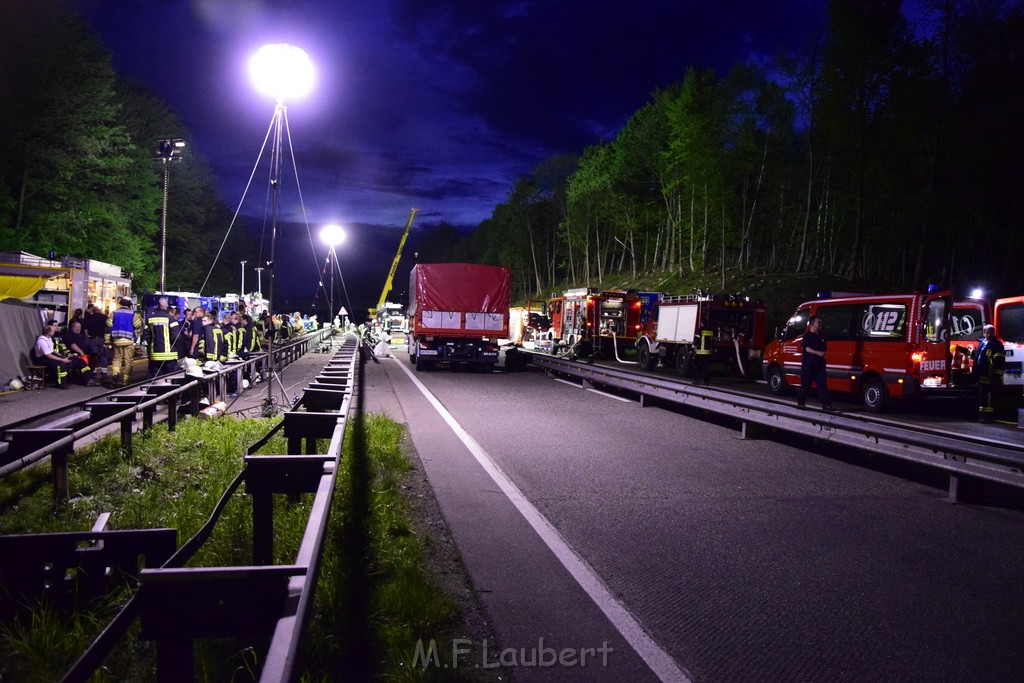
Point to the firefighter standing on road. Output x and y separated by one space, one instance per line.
160 332
125 325
702 356
989 359
813 366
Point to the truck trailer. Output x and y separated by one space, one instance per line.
457 314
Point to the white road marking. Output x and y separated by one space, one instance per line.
595 391
617 398
660 662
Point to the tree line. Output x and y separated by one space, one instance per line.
79 173
885 152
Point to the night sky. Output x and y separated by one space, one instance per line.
439 105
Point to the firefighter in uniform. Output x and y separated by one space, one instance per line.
989 359
702 356
212 347
160 332
125 325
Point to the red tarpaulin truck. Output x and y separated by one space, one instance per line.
457 313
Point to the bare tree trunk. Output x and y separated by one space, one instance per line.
722 259
807 211
744 255
21 200
704 258
693 224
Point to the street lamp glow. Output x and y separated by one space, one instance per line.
282 71
332 235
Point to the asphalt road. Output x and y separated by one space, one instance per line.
744 560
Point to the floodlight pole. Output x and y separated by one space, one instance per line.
332 256
243 279
168 148
275 184
163 228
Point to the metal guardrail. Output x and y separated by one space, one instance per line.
273 603
969 460
54 434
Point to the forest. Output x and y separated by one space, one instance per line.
79 172
883 153
887 151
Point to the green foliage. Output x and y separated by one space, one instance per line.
78 169
881 155
384 587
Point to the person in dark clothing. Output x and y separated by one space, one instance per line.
702 353
813 366
988 369
76 341
95 322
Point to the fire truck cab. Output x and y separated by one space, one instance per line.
588 322
880 347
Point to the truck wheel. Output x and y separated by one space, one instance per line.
646 359
777 381
873 393
684 363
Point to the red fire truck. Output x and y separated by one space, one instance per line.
737 321
591 323
881 347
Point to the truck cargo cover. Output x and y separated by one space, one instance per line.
463 287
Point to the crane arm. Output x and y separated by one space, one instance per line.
394 264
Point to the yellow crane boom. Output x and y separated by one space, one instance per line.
394 265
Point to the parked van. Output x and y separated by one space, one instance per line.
1009 322
880 347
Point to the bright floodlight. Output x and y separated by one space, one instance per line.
977 294
332 235
281 70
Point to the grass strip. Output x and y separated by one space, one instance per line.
374 601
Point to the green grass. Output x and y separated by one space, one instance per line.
374 599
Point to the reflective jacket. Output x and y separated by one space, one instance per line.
159 335
122 327
989 360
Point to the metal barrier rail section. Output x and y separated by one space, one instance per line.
178 605
55 433
968 460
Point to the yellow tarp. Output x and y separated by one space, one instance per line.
20 286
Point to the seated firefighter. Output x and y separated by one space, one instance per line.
62 366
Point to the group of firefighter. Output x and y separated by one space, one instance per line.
199 335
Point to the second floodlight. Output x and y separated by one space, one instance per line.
332 235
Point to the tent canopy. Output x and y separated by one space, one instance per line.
21 324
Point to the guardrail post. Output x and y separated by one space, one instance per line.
262 528
175 660
964 489
647 401
172 412
126 434
753 431
59 466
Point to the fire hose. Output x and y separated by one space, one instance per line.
739 359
